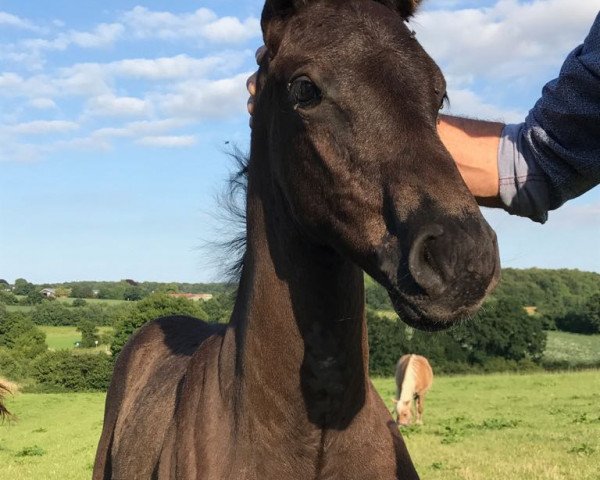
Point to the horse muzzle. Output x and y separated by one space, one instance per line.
449 270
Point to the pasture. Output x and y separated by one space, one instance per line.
527 427
68 302
64 338
573 348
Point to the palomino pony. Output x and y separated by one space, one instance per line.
346 173
414 377
4 413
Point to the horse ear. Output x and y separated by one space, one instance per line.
407 8
274 15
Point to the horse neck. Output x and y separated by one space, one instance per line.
300 335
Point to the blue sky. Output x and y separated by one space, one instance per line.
114 118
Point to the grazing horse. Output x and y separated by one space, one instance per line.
346 174
413 379
3 410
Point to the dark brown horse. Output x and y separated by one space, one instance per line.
346 173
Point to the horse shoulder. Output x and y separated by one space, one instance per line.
202 412
143 393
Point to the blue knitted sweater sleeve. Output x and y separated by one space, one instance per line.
555 154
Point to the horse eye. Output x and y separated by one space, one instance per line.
445 101
304 93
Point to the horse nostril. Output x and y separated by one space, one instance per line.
422 263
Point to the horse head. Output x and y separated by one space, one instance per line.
348 103
403 410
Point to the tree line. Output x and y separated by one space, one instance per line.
503 336
24 353
128 289
567 300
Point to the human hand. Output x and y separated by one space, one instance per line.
251 82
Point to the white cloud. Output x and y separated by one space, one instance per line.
28 59
168 68
9 20
18 152
171 141
510 39
89 143
481 50
98 79
13 85
103 35
204 99
42 103
113 106
87 79
201 24
231 30
9 81
40 127
501 54
141 128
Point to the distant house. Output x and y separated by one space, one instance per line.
48 293
192 296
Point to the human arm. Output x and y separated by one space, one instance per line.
474 146
552 157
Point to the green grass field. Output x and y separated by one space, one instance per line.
573 348
64 338
54 437
525 427
94 301
68 302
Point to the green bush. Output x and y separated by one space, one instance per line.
19 334
501 338
8 298
585 319
12 365
58 314
79 302
501 329
150 308
376 296
66 371
218 309
89 334
54 314
387 342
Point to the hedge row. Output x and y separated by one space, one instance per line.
67 371
59 371
502 338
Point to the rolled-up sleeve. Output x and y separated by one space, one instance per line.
555 154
